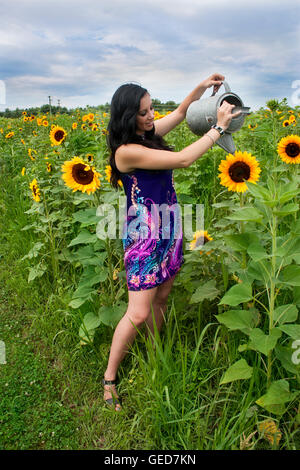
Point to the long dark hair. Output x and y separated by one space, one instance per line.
124 107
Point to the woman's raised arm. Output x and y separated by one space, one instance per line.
168 122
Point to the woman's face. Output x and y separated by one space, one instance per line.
145 115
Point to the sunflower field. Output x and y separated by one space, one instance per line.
225 372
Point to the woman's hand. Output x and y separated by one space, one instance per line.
215 80
224 115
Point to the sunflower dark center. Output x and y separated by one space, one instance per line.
239 171
59 135
80 175
34 190
292 150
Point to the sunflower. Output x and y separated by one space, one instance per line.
289 149
45 123
35 190
32 157
57 135
201 237
79 176
49 167
74 125
89 157
23 171
108 175
292 118
286 123
91 116
9 135
252 126
237 169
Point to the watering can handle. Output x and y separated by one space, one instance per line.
226 86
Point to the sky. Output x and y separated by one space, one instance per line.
80 52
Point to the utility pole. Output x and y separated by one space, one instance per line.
58 104
49 105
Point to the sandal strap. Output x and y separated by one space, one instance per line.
109 382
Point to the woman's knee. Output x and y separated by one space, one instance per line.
138 316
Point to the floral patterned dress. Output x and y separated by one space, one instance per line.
152 230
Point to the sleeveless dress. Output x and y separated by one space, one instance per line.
152 230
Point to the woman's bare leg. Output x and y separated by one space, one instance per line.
160 305
139 308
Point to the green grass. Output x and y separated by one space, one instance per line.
51 393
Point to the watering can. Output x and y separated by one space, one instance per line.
202 114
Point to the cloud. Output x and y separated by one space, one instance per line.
83 51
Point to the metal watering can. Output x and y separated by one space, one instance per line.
202 114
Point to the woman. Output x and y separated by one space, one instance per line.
144 162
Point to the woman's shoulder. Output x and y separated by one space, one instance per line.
123 154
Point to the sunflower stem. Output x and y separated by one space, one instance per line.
272 293
242 230
52 242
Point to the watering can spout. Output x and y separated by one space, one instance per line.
244 110
226 143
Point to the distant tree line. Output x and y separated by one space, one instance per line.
45 108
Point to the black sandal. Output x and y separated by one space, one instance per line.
114 400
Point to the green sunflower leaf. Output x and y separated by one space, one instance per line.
246 214
263 343
285 314
84 237
291 330
240 370
237 294
243 320
277 395
291 275
88 327
205 291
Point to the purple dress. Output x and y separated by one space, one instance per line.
152 230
